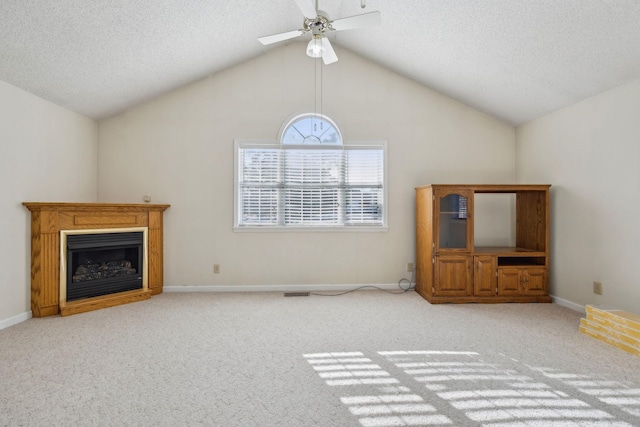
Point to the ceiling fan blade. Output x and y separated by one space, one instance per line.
329 55
308 8
275 38
370 19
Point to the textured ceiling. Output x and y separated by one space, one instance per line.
514 59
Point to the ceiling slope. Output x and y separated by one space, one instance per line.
513 59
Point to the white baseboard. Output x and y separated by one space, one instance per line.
569 304
15 320
282 288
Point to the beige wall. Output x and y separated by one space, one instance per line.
178 149
590 152
48 154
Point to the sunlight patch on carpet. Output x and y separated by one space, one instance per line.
435 387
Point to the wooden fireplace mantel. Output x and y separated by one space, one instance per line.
48 219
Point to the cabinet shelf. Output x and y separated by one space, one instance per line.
507 251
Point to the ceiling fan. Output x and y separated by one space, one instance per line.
318 23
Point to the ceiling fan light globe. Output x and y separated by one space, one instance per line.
315 48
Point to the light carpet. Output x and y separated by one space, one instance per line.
367 358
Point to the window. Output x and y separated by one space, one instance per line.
310 179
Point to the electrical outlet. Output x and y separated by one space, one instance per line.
216 268
597 288
409 267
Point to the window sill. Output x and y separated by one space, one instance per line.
319 229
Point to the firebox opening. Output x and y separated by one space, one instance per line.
103 263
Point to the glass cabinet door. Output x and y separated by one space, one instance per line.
453 228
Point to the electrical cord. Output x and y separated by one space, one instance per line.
402 290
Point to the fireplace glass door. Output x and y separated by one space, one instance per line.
102 264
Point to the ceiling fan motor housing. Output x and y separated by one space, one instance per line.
319 24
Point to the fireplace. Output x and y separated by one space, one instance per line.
53 266
102 262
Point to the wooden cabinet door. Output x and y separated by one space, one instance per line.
484 277
509 281
535 281
453 275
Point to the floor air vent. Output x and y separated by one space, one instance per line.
296 294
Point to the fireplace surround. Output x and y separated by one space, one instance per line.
51 226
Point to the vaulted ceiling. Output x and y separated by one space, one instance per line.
513 59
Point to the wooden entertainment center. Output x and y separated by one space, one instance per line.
452 269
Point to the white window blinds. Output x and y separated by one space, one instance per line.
259 186
310 186
363 186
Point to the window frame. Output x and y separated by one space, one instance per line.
248 143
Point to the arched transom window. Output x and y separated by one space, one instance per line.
311 129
